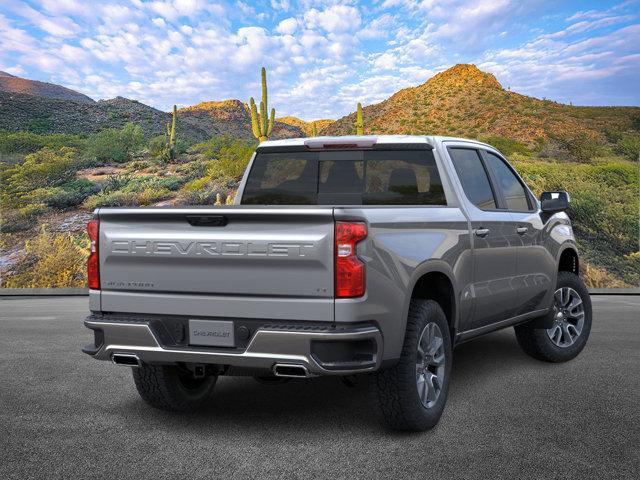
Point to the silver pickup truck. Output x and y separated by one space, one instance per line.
342 255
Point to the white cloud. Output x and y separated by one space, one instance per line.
378 27
287 26
159 22
56 26
15 70
280 5
335 19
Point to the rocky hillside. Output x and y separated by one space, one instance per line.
464 101
20 111
231 117
12 85
306 127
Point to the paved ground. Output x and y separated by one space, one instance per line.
63 415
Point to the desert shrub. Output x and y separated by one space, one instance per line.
127 199
232 160
137 165
116 182
111 199
206 195
171 183
507 146
215 145
68 195
28 142
24 218
581 146
116 145
43 169
40 125
157 145
595 277
629 146
51 261
604 207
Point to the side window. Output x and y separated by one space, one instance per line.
512 189
473 177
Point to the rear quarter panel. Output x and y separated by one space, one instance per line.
402 245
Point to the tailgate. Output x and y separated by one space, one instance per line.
241 255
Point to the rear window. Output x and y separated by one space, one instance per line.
384 177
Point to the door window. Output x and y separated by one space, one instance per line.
512 190
473 177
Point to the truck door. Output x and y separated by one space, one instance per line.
494 240
535 265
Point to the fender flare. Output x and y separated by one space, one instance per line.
432 266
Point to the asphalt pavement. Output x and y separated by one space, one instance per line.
65 415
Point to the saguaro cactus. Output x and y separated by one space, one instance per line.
314 130
260 124
359 125
171 135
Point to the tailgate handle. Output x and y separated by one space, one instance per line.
207 220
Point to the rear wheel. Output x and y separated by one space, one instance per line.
569 333
412 395
172 387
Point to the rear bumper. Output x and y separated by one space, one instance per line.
320 349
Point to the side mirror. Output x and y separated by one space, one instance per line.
552 202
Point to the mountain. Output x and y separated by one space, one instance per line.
464 101
231 117
306 127
47 108
19 111
16 85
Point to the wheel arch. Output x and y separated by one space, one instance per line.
568 259
435 281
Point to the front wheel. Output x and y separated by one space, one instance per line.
412 395
569 333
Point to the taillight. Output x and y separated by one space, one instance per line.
349 269
93 265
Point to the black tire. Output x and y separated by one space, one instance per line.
394 390
537 343
172 388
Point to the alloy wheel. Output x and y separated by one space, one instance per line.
430 365
568 317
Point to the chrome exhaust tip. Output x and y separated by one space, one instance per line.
290 370
126 359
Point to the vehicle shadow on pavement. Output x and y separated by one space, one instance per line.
327 403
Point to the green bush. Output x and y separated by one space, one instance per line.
581 146
204 195
158 145
40 125
233 159
127 199
24 218
629 146
28 142
53 260
604 207
507 146
68 195
116 145
44 169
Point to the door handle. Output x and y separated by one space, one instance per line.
522 230
482 232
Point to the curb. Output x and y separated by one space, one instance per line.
34 292
31 292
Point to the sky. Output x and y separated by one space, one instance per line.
322 56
